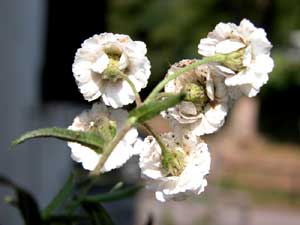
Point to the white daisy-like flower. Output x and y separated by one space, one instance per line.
248 49
179 173
101 62
108 122
205 107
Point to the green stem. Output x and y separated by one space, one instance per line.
110 147
161 85
60 197
138 100
164 95
155 135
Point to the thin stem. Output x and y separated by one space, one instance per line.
163 95
138 100
161 85
155 135
110 147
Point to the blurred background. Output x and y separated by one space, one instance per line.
255 179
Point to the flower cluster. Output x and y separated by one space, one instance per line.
236 61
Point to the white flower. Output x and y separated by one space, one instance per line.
247 69
180 182
99 63
102 119
206 107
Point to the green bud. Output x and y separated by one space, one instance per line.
196 94
234 60
173 162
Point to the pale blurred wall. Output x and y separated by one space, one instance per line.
39 166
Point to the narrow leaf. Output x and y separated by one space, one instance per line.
153 108
89 139
25 203
28 208
113 196
60 197
63 219
97 213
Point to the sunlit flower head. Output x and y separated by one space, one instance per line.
107 122
101 64
177 171
247 49
205 107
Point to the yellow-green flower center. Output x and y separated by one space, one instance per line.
173 162
196 93
113 72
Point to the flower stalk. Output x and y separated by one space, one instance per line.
108 150
138 100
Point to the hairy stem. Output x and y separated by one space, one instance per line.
110 147
155 135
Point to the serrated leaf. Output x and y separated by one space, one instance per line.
153 108
97 213
25 203
90 139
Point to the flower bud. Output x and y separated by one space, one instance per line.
172 162
196 94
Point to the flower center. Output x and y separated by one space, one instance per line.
196 93
173 162
114 70
107 128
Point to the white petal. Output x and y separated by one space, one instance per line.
187 108
207 46
123 63
225 70
228 46
101 64
263 64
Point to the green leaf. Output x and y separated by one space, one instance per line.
25 203
113 196
28 208
153 108
60 197
107 197
90 139
97 213
64 219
